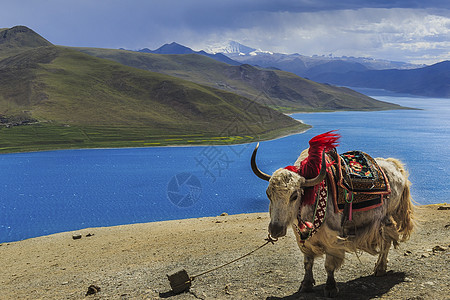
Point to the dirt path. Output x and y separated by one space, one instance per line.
131 262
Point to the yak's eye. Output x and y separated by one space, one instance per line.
293 196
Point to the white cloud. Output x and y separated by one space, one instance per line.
393 34
376 28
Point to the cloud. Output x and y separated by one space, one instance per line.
382 33
390 29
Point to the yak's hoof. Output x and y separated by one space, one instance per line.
307 286
330 291
379 272
380 269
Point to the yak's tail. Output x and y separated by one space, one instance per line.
404 216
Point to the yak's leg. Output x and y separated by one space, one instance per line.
308 280
389 235
332 261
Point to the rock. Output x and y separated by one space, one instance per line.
93 289
407 253
438 248
223 214
425 255
444 207
89 234
76 236
227 289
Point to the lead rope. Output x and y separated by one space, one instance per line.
268 240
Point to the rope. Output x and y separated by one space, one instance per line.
268 240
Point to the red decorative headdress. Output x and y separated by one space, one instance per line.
310 166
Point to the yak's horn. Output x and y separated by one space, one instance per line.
320 177
255 169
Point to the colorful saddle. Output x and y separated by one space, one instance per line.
359 180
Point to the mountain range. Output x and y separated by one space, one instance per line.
175 48
400 77
430 81
69 99
277 89
83 97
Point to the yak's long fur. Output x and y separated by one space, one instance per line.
392 221
376 229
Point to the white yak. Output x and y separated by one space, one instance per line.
375 229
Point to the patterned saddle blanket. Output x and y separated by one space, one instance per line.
358 180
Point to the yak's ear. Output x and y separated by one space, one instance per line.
255 168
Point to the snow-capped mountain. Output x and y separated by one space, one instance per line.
230 47
300 64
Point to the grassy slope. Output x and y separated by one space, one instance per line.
281 90
84 101
19 38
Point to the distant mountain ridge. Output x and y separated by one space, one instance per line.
246 54
277 89
175 48
430 81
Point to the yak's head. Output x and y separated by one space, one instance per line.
285 192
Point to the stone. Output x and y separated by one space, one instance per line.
227 289
93 289
179 281
438 248
223 214
444 207
76 236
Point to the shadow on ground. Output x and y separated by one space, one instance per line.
362 288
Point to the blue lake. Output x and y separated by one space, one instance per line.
54 191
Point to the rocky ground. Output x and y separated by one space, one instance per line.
131 262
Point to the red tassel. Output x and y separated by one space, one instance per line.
294 169
310 167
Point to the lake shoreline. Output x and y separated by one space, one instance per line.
249 140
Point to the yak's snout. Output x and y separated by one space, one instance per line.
276 230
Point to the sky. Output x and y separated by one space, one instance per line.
399 30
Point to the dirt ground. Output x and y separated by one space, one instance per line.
131 262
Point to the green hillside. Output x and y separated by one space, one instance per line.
19 38
53 97
278 89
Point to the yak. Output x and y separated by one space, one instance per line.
294 194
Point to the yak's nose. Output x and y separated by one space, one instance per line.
276 230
